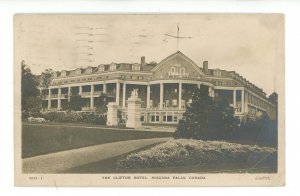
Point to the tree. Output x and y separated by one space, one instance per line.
101 103
76 103
206 118
30 94
46 78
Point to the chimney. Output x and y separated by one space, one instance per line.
205 65
143 61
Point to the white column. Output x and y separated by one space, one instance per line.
49 99
104 88
58 99
69 93
118 93
148 96
92 97
234 99
124 95
179 95
246 102
80 90
161 95
243 100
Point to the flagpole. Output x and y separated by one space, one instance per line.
177 35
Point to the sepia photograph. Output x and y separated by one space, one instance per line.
149 99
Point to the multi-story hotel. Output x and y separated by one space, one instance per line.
165 88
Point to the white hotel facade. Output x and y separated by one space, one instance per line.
165 88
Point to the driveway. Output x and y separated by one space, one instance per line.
60 161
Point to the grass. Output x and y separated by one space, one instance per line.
184 153
111 165
38 139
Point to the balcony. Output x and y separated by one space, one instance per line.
54 96
86 94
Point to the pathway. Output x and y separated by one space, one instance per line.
60 161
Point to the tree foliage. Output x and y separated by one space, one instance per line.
76 103
46 78
206 118
30 94
101 103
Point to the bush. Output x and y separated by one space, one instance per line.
184 152
206 118
75 117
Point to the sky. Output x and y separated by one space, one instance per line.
251 45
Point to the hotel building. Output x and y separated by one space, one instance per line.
165 88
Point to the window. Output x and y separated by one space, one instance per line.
172 70
136 67
77 72
101 68
174 102
88 70
112 67
175 118
63 74
157 118
167 103
182 71
151 103
217 72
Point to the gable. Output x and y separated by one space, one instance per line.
177 66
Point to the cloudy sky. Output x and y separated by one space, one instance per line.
251 45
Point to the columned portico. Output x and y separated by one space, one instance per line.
234 99
92 97
118 93
80 90
59 99
148 96
124 95
161 95
104 88
179 95
49 99
69 93
242 100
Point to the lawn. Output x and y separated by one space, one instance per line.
189 156
184 153
38 139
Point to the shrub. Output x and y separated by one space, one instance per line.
190 152
206 118
75 117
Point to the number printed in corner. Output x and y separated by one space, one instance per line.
262 178
35 178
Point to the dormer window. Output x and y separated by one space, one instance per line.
89 70
112 67
136 67
77 72
101 68
63 74
217 72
